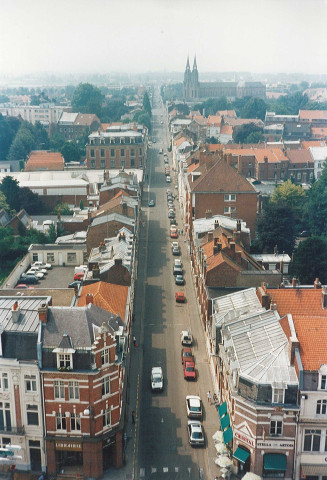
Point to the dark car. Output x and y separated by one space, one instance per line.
28 279
179 280
171 215
177 271
173 221
151 203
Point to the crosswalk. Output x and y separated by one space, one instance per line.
170 473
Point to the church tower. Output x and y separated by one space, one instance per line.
187 80
195 80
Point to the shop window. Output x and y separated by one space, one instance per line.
105 356
321 408
61 421
105 386
32 414
75 422
50 257
4 385
73 390
276 427
106 418
30 383
5 441
71 257
312 440
59 389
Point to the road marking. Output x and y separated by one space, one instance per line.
165 469
142 472
153 470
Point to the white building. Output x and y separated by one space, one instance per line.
319 155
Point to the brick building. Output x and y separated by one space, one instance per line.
82 369
107 226
40 160
73 126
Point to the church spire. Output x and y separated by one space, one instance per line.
195 67
188 63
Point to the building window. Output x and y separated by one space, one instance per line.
92 163
71 257
5 441
112 152
5 417
299 175
32 414
321 408
59 389
278 395
75 422
102 152
73 390
140 151
231 197
35 257
132 152
102 164
122 152
276 427
106 421
30 383
323 382
64 361
92 152
105 386
50 257
122 162
229 210
112 163
4 381
105 356
132 162
61 421
312 440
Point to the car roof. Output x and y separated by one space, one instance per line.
195 424
194 400
190 364
157 370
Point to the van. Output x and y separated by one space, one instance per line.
80 269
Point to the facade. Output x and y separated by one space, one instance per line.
57 254
194 90
117 147
46 114
75 125
319 156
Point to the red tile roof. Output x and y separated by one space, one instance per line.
298 301
43 160
319 131
227 113
215 147
108 296
214 120
313 115
226 130
274 155
313 143
299 156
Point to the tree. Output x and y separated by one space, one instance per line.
81 204
290 195
254 137
41 137
316 207
8 129
244 131
183 108
310 260
62 209
51 234
147 104
87 99
10 188
30 201
254 108
277 226
144 119
3 202
70 152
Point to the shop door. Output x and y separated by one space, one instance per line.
35 459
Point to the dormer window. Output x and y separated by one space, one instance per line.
322 384
65 360
278 395
64 353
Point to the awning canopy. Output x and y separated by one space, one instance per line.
222 409
228 435
313 469
225 422
275 462
241 455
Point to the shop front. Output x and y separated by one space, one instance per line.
69 457
274 465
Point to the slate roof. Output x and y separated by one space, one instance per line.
86 119
29 316
111 217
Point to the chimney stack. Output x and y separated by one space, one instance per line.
15 313
43 312
124 206
317 284
324 297
232 246
208 214
89 298
294 282
293 343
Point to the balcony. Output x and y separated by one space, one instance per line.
12 430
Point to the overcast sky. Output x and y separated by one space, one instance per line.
103 36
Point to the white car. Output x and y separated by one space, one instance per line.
48 266
186 338
193 406
174 245
38 269
168 179
178 263
38 275
157 379
195 433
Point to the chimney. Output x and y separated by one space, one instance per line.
232 246
294 282
118 261
238 257
293 343
124 206
15 313
96 271
43 312
317 284
324 297
265 159
273 307
209 236
89 298
238 226
237 237
208 214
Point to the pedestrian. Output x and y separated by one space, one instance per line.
215 398
41 477
209 396
133 417
134 341
182 232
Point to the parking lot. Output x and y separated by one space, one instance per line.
57 277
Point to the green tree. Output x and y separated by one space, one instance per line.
87 99
144 119
8 130
310 260
70 152
254 108
41 137
147 104
63 209
51 234
10 188
290 195
3 202
316 208
277 226
81 205
244 131
56 142
30 201
254 137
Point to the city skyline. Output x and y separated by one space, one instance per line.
101 36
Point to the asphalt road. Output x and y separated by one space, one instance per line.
163 450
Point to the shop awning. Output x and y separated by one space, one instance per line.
225 422
275 461
313 470
222 409
228 435
241 455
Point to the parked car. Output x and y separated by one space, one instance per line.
186 338
193 406
23 286
75 283
173 221
187 355
173 234
38 275
176 251
189 371
174 244
180 297
168 179
79 276
179 280
39 269
157 380
48 266
171 215
28 279
177 271
195 433
152 203
178 263
160 151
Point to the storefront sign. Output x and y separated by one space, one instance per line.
244 438
275 444
69 446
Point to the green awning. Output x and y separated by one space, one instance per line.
225 422
222 409
241 455
275 461
228 435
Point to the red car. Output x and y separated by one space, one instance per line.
180 297
79 276
189 371
173 234
187 355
